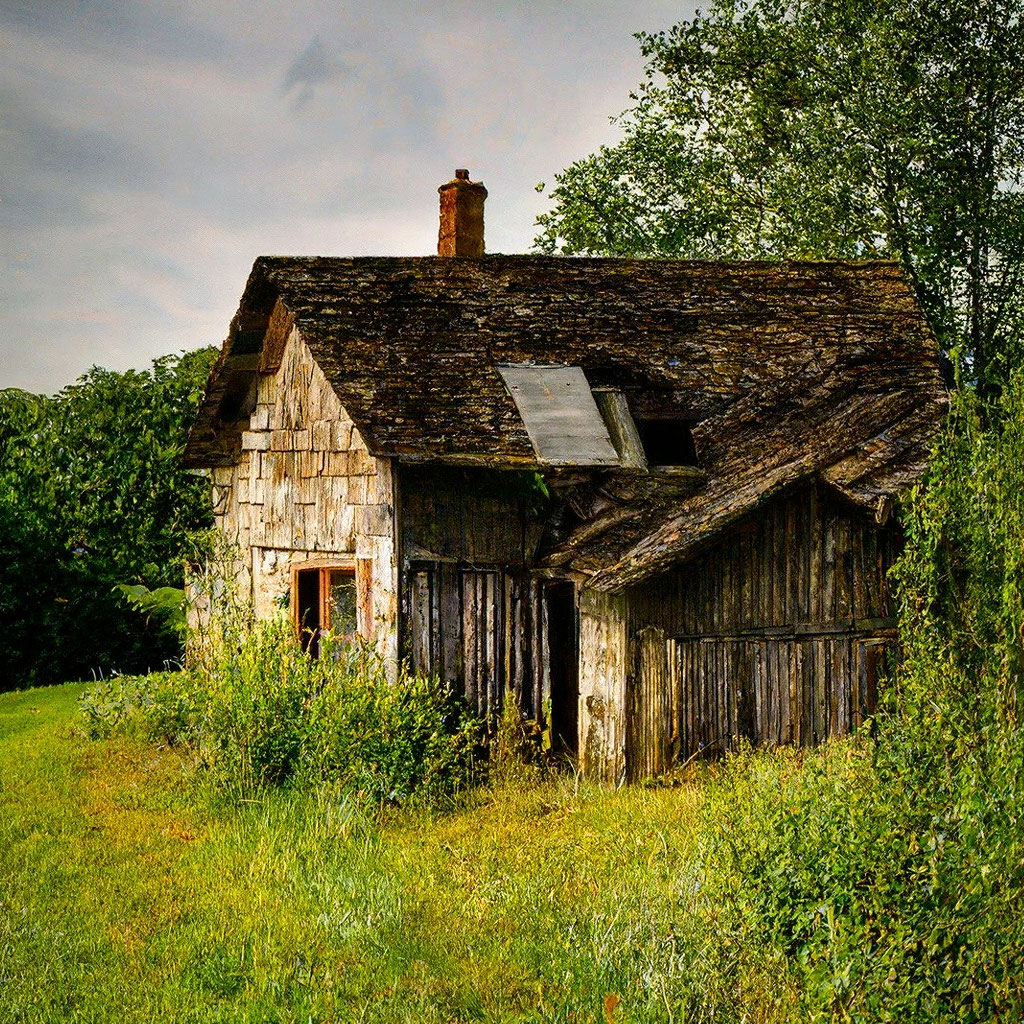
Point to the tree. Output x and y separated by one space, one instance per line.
833 129
92 495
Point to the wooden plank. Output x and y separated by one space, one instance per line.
821 702
561 417
621 427
450 623
689 699
779 597
860 604
780 693
828 584
840 685
470 652
364 597
419 625
728 694
543 665
701 704
796 720
852 675
872 583
815 541
844 573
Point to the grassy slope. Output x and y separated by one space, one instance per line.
128 893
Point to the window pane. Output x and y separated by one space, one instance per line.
307 611
341 602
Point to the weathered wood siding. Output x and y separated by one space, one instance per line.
305 487
602 684
769 690
473 613
469 516
481 630
650 710
773 634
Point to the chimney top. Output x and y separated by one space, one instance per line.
462 216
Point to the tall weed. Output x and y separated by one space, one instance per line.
259 711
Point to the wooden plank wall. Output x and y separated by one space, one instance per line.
649 709
473 612
482 630
769 691
805 563
472 517
774 634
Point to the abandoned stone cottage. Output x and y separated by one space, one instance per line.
650 498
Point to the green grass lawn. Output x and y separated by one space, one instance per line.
130 892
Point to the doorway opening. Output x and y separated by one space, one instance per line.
563 665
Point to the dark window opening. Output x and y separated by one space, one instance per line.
667 442
324 599
307 610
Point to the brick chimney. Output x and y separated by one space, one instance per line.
462 217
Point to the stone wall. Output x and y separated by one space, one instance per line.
305 487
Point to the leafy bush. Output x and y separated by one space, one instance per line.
157 706
390 740
260 712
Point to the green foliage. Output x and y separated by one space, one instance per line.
961 581
888 892
259 712
167 604
823 129
153 706
134 892
886 871
92 495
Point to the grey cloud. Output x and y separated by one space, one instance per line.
47 166
115 24
149 149
311 68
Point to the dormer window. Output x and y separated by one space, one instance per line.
667 442
560 415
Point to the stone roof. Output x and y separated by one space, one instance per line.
785 370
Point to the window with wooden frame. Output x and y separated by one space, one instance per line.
331 597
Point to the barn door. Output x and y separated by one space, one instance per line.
560 642
487 632
649 706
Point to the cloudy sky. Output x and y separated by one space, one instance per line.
151 149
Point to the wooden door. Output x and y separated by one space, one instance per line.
649 706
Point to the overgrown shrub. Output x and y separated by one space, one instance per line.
153 705
888 870
260 711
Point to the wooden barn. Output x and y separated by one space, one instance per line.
650 498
